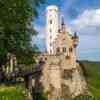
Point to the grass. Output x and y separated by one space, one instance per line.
12 92
92 73
92 70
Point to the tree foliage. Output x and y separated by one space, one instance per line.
16 29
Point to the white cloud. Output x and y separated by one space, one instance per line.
87 22
39 39
40 30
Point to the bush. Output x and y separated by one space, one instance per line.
11 93
84 97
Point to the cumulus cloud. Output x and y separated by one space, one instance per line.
87 22
87 25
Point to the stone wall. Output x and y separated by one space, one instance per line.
60 78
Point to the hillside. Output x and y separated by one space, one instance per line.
92 73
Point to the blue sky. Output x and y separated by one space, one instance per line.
81 16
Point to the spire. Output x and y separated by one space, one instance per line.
62 24
75 35
62 21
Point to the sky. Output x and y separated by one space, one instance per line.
81 16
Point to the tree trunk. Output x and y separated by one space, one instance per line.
28 86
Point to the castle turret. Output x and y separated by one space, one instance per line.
76 39
62 25
51 27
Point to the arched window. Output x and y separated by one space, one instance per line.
50 44
64 49
70 49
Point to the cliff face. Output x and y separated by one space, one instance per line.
61 79
75 81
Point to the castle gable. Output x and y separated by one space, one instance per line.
62 42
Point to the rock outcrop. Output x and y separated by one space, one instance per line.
60 79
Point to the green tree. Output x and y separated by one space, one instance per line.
16 28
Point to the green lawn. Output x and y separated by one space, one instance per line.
13 92
92 70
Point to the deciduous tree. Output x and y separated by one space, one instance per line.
16 29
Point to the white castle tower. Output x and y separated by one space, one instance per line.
51 27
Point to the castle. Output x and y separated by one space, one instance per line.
61 74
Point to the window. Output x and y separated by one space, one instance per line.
50 9
58 50
50 21
50 37
50 30
50 44
67 57
70 49
63 38
64 49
